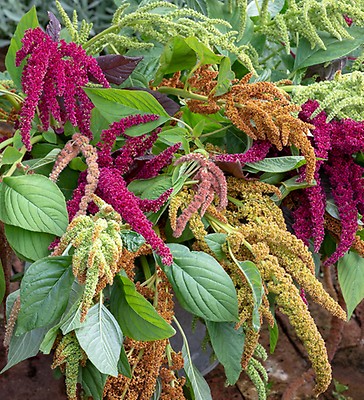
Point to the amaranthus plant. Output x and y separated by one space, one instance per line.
183 154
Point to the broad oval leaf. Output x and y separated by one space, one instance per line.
34 203
351 279
306 56
137 318
200 388
101 338
123 364
29 20
114 104
252 275
228 345
24 346
150 188
44 292
215 241
276 164
132 241
31 246
92 381
201 285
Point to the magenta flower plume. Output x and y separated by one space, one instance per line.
154 205
134 146
55 72
211 182
303 219
112 188
335 143
340 175
256 153
153 166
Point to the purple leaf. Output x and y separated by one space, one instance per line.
168 104
233 168
53 28
117 68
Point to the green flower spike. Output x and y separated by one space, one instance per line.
98 247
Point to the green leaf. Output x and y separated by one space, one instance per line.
92 381
226 75
158 390
274 7
2 283
123 364
137 318
273 337
24 346
198 384
173 135
205 55
98 124
351 279
276 164
132 241
215 241
150 188
77 164
252 275
69 321
201 285
114 104
29 20
34 203
47 343
50 137
228 345
44 292
305 56
31 246
290 185
101 339
40 162
176 56
10 156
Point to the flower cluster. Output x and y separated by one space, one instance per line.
211 181
52 80
260 109
117 169
98 247
336 142
257 231
307 17
69 356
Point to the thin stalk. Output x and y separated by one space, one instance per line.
183 123
140 356
110 29
224 128
182 93
22 151
145 266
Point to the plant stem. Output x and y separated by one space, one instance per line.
12 98
224 128
145 266
182 93
22 151
110 29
